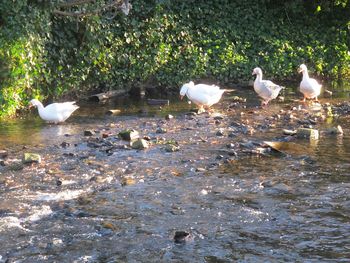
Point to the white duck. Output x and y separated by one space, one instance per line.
308 86
55 112
266 89
203 95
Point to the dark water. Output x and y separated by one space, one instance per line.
126 206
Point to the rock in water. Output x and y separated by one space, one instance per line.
129 135
89 133
172 148
308 133
31 158
139 144
182 236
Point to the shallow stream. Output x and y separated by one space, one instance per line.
93 199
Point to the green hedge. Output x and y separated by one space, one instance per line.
165 42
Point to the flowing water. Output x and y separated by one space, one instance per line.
95 200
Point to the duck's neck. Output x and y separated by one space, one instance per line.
305 74
40 106
258 77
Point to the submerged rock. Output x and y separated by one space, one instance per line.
31 158
335 130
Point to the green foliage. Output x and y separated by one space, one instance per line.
165 42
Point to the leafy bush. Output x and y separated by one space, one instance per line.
166 42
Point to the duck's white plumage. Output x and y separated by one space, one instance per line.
55 112
266 89
308 86
203 95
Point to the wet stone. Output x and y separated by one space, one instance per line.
89 133
139 144
161 130
335 130
307 133
129 135
232 134
31 158
147 138
172 148
200 169
230 146
289 132
233 153
58 182
182 237
220 132
65 144
219 157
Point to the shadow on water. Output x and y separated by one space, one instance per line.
95 200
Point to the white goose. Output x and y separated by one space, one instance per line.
55 112
308 86
266 89
203 95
